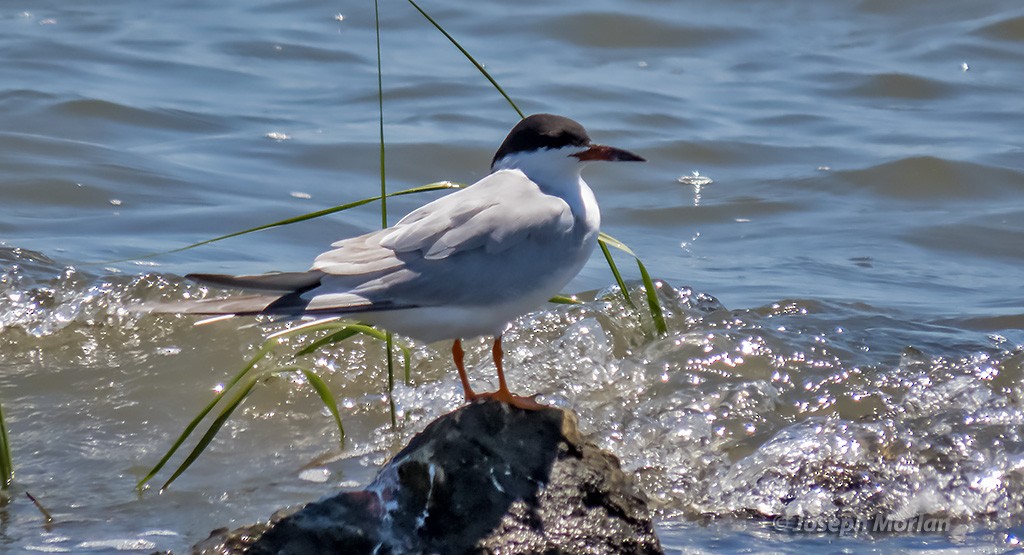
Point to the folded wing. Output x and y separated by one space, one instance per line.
440 252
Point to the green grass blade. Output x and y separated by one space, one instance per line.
344 332
359 328
380 111
215 427
436 186
407 362
350 330
325 395
469 57
652 296
613 242
391 380
652 299
263 352
562 299
380 121
341 330
39 506
6 462
615 272
335 337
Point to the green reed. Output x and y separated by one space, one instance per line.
238 388
242 384
388 340
6 463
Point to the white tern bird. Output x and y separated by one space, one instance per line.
462 266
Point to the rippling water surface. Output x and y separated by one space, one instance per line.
832 202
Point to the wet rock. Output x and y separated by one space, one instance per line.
483 479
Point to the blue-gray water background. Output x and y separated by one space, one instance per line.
862 230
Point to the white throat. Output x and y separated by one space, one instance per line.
557 173
553 169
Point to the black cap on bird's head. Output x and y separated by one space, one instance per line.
548 131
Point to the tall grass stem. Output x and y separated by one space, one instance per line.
469 57
6 461
384 206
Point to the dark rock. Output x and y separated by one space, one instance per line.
484 479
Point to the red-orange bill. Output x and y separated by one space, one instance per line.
609 154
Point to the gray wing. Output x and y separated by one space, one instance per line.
440 252
496 214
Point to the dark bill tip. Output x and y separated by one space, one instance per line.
608 153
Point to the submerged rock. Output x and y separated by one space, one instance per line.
483 479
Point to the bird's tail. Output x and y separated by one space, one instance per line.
283 296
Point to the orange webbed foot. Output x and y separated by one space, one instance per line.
518 401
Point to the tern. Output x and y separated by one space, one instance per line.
462 266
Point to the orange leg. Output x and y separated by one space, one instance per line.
503 394
499 356
458 354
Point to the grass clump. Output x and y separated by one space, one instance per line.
241 385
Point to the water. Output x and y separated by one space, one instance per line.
832 202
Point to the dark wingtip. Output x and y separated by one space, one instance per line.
280 281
